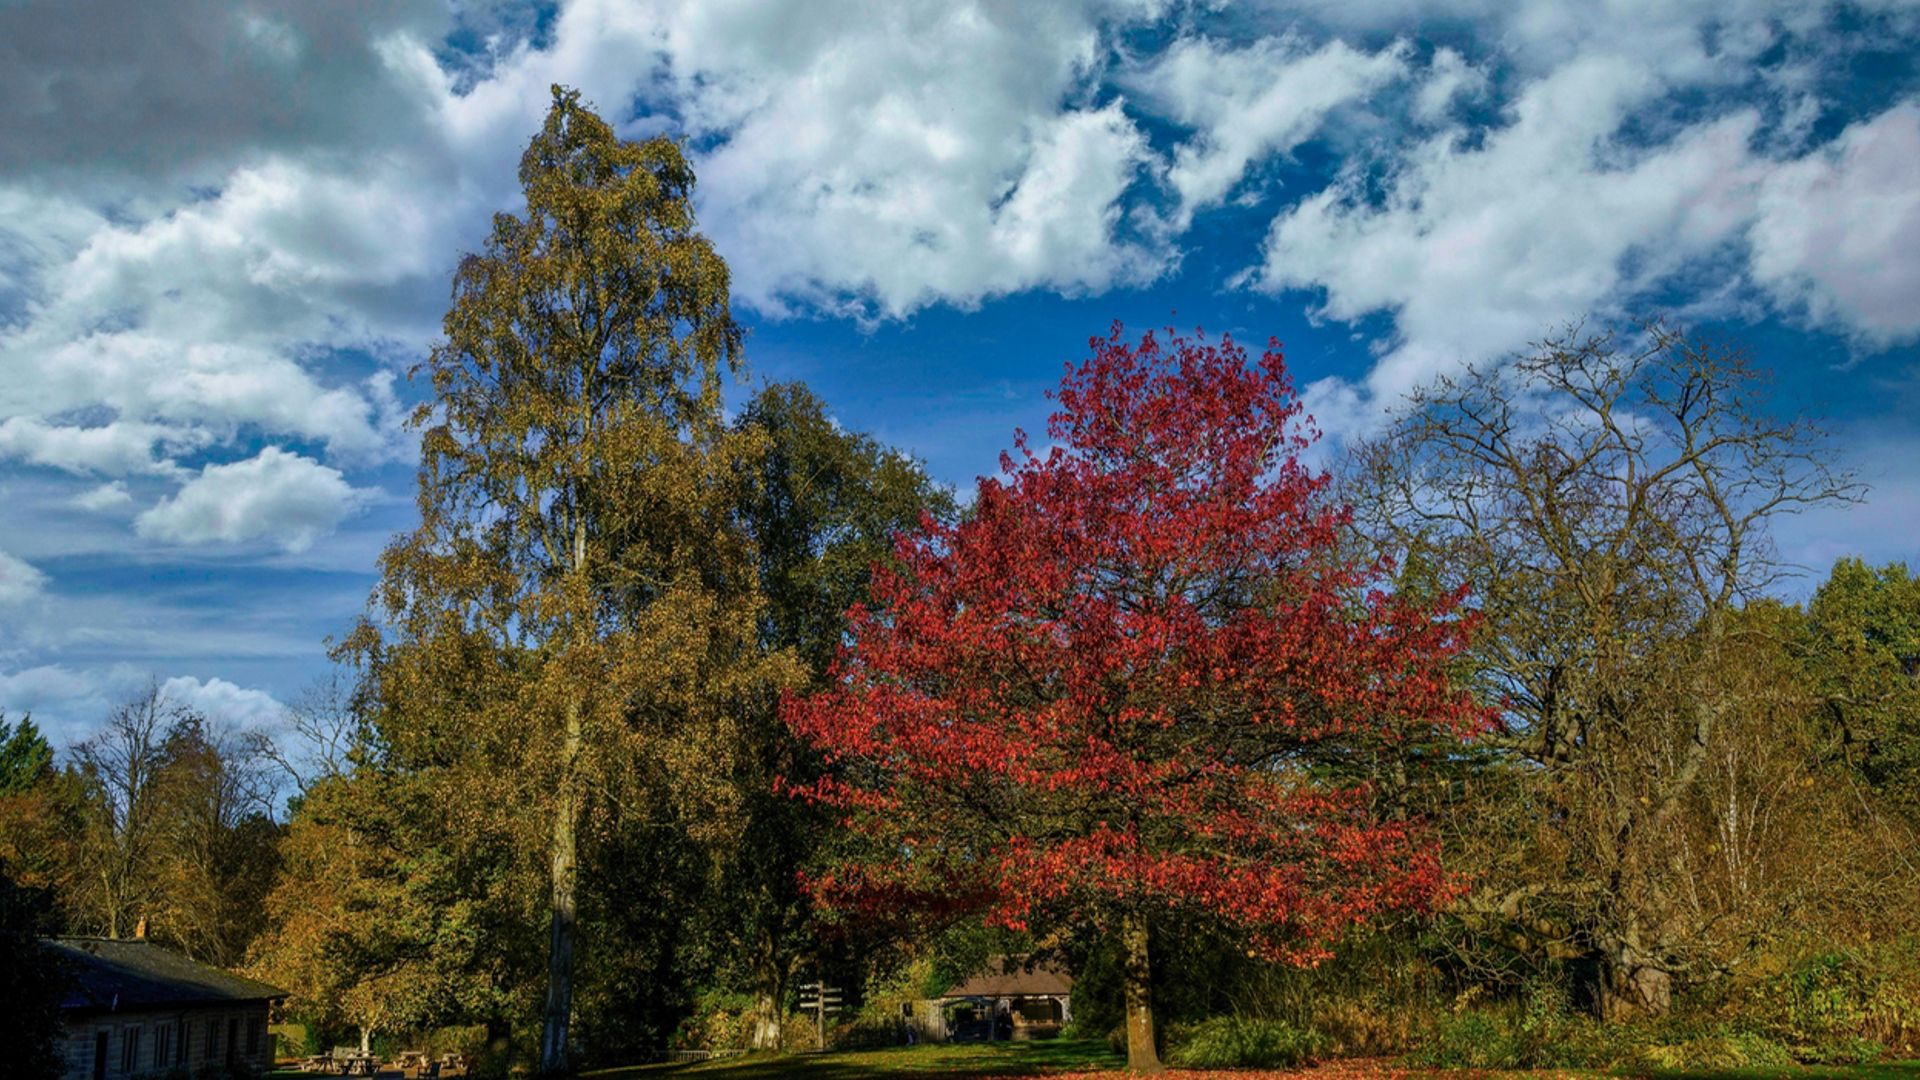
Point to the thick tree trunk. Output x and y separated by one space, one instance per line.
561 926
1142 1055
769 979
1632 988
1632 982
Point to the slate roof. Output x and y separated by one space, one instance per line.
118 975
1006 976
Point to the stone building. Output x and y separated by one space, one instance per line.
138 1009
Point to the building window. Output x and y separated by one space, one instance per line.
1040 1011
213 1039
162 1037
180 1050
253 1036
129 1050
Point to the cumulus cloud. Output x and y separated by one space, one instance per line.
113 449
1479 247
276 495
852 158
220 700
19 581
1838 232
1449 78
205 320
99 500
881 159
178 272
68 703
1250 103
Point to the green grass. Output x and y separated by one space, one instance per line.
1893 1070
919 1062
926 1062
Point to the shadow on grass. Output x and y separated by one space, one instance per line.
931 1062
925 1062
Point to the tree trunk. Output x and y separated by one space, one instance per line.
1632 983
561 929
769 988
1142 1056
499 1039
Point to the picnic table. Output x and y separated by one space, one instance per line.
355 1062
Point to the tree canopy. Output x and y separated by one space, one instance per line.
1098 696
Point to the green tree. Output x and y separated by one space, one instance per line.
26 758
822 506
43 816
576 610
1862 651
34 985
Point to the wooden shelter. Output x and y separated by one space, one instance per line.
1010 998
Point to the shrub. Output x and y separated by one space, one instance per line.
1846 1050
720 1021
1233 1042
1832 1007
1714 1050
1361 1029
1472 1040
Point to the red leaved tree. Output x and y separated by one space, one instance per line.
1101 697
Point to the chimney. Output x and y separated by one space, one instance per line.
140 929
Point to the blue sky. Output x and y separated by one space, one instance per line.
226 231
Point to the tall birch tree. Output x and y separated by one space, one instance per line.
576 608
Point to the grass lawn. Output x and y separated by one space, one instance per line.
921 1062
1089 1059
1894 1070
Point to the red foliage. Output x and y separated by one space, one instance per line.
1110 685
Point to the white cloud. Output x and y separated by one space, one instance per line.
19 581
1449 77
1838 231
1478 248
56 695
276 495
870 157
220 700
114 449
1249 103
99 500
68 703
205 319
877 159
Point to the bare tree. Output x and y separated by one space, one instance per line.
1607 505
121 764
323 728
217 840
